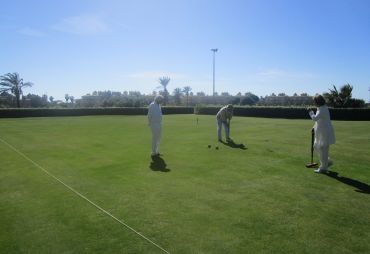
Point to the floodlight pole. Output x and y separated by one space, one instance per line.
214 65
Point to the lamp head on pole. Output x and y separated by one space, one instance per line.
214 50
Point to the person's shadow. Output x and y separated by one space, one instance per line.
232 144
158 164
360 186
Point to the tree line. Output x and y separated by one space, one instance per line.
12 86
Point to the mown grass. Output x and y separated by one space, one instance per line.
258 200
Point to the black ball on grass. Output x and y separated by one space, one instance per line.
216 147
209 146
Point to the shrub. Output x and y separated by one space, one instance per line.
41 112
290 112
362 114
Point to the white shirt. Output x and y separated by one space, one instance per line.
324 131
224 114
154 113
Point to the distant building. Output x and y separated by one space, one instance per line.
285 100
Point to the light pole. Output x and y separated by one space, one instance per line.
214 65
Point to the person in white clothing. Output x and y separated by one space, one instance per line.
224 116
324 133
155 123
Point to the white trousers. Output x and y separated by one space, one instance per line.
156 137
219 129
323 152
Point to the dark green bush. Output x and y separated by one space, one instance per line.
177 110
355 114
41 112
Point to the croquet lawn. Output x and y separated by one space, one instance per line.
194 199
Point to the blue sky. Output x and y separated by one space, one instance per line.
265 46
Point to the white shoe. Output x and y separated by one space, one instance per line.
320 170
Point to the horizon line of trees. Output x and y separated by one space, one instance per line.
11 95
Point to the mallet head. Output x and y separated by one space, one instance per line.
312 165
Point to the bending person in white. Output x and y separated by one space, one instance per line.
224 116
324 133
155 123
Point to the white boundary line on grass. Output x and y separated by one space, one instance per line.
82 196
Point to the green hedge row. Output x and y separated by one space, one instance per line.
355 114
177 110
40 112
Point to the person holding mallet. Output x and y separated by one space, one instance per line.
324 132
224 116
155 123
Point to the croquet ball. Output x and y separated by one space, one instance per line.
209 146
216 147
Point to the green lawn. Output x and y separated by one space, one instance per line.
258 200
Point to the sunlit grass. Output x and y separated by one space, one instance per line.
198 200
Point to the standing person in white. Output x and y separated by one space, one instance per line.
324 133
155 123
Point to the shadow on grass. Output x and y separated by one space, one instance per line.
158 164
360 186
232 144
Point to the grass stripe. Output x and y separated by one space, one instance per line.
82 196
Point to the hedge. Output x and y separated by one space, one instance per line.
45 112
177 110
354 114
351 114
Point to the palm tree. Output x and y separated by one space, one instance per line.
164 82
13 83
187 90
177 95
340 98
